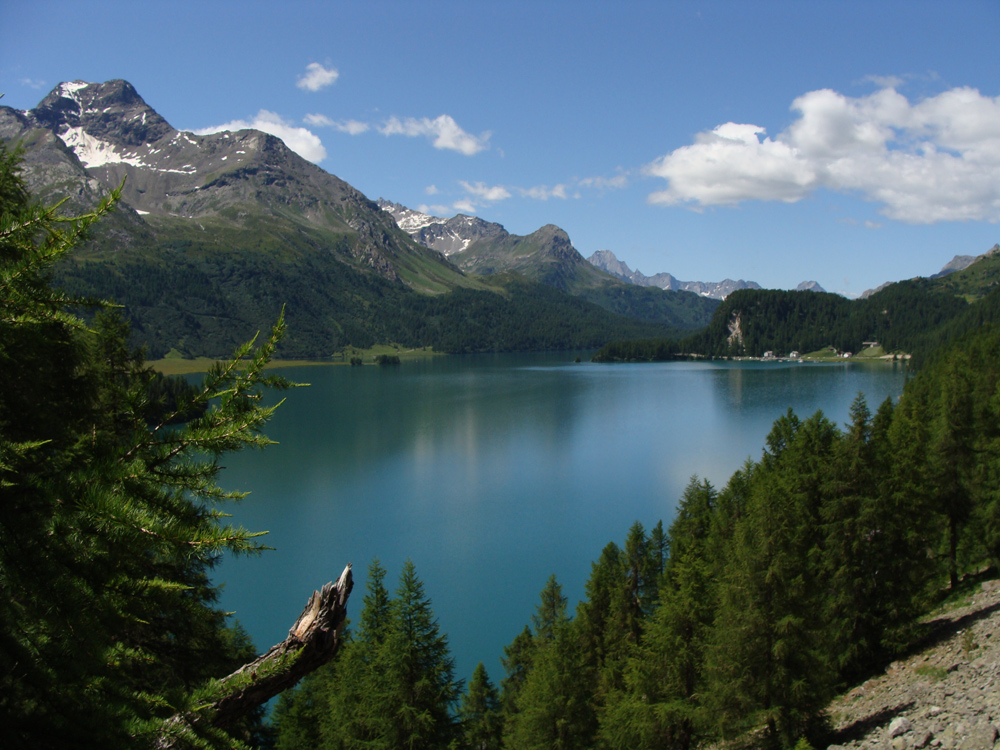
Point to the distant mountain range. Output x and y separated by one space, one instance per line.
480 246
215 233
606 260
913 317
547 256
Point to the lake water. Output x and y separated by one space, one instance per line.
492 472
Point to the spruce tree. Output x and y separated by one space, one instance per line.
109 525
420 668
554 705
516 660
768 665
480 720
658 706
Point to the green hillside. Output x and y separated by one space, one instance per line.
215 234
913 317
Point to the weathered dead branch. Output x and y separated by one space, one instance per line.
312 641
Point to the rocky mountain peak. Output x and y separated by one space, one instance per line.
112 112
447 236
809 286
608 261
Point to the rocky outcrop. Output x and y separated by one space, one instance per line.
945 696
735 337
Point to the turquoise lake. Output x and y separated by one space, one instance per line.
492 472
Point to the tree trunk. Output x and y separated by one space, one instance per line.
312 642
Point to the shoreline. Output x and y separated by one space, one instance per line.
181 366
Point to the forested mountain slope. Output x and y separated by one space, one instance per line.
914 316
215 233
548 256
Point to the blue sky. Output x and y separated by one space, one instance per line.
850 143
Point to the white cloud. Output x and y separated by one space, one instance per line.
936 160
729 165
431 190
442 130
319 121
300 140
317 77
484 192
544 192
617 182
352 127
32 83
465 207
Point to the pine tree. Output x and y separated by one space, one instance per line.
554 706
479 714
551 612
109 525
767 660
356 696
658 706
421 669
516 660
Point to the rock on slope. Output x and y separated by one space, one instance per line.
946 696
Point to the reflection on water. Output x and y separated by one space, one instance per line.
493 472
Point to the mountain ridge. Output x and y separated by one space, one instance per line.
216 233
548 256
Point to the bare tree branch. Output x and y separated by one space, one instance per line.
312 641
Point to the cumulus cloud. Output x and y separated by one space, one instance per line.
617 182
317 77
544 192
319 121
935 160
300 140
485 192
352 127
443 131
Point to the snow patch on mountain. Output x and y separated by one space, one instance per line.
410 221
93 152
68 90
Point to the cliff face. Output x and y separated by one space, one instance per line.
946 695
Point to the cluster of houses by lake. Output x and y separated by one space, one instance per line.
871 350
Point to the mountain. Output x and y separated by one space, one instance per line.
958 263
547 256
915 316
976 282
244 180
971 281
606 260
449 236
809 286
215 233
